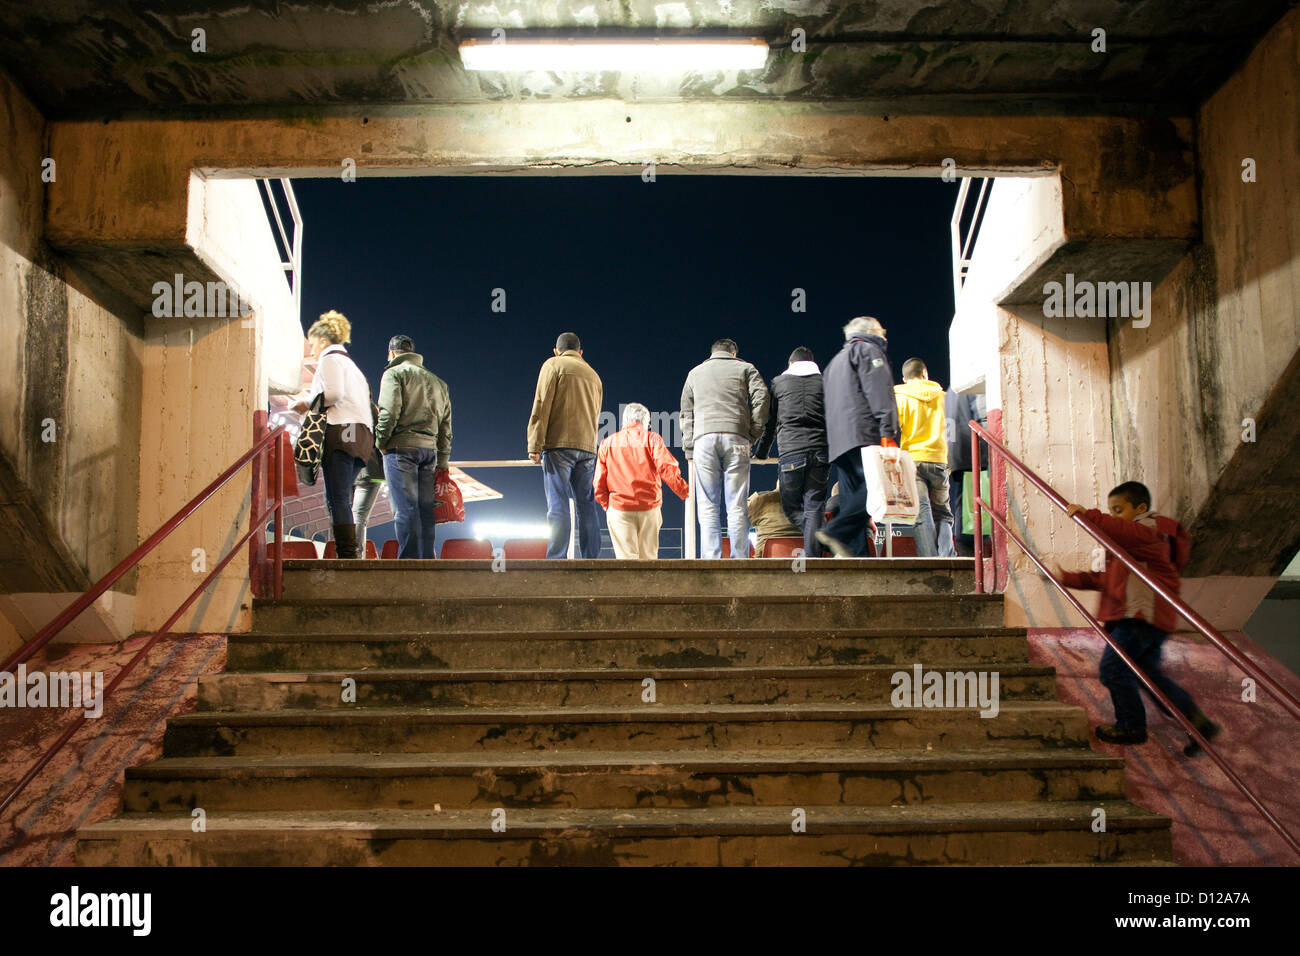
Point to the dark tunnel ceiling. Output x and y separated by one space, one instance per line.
102 59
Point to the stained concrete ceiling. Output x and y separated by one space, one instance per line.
90 58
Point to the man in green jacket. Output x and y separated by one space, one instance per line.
562 439
414 435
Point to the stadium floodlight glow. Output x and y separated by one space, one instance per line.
595 55
498 529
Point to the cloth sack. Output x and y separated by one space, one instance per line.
967 509
891 485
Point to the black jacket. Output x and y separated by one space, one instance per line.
859 388
959 410
797 416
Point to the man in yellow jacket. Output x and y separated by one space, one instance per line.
921 422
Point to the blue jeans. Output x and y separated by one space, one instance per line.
410 476
851 524
340 470
932 494
721 463
1142 642
363 502
804 476
566 472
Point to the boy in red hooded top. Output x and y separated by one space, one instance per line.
1133 615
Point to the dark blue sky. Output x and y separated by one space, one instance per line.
648 274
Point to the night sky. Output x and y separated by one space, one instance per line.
647 274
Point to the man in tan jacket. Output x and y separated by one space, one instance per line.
562 439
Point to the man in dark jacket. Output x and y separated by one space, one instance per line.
797 420
414 435
860 412
959 409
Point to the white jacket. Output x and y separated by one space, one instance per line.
347 394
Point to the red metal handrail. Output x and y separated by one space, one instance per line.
1215 638
256 525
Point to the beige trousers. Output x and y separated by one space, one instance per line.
635 534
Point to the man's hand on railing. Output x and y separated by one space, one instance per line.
535 457
1072 510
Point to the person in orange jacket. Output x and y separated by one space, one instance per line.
1137 619
630 465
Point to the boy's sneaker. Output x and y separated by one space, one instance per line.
1207 729
834 545
1115 735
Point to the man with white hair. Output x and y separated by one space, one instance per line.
630 465
860 411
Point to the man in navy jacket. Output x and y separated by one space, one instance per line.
860 411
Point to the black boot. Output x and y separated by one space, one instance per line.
345 540
1207 729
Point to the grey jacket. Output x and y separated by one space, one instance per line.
414 408
723 394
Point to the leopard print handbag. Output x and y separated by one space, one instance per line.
310 446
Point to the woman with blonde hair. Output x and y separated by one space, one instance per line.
349 426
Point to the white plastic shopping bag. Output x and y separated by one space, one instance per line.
891 485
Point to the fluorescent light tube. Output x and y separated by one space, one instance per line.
580 55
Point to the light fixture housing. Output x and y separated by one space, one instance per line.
598 54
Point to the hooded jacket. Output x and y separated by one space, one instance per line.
859 387
414 408
1160 545
726 395
797 416
921 420
566 405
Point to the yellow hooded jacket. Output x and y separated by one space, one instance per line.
921 420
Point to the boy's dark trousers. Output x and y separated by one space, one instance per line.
1142 642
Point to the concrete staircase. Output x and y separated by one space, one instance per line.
517 699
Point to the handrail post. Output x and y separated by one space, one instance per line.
278 462
257 565
977 511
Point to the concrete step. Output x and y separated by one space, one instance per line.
926 834
430 580
612 779
557 687
1029 724
783 646
675 614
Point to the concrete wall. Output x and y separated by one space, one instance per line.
145 410
1224 343
67 363
1089 402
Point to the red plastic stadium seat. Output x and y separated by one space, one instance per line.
526 548
466 548
726 548
370 549
331 549
293 549
390 549
782 547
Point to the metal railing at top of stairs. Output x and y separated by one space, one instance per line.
1216 639
269 446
